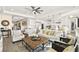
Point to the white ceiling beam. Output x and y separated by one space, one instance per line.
19 14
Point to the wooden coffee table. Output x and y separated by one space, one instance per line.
33 45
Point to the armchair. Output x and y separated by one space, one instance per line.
17 35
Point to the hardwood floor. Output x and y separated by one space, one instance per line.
8 46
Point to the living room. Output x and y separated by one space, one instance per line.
39 29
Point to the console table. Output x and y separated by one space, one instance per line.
33 45
6 33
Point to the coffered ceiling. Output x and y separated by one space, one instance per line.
49 11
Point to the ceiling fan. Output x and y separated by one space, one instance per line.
36 10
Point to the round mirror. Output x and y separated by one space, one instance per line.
5 23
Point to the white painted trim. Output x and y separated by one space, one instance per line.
13 13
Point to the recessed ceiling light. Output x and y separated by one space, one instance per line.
12 9
71 16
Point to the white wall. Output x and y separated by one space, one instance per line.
6 17
31 23
67 22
